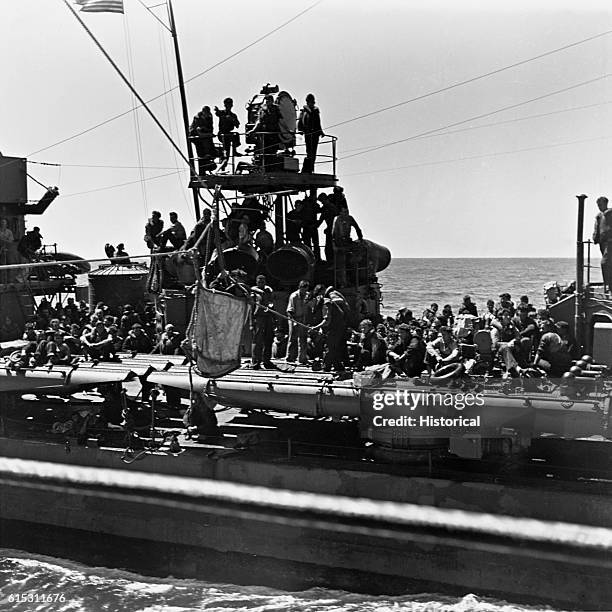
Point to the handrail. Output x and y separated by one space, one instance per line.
327 158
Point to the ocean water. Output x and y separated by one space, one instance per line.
416 283
93 589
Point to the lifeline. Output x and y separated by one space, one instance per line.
425 421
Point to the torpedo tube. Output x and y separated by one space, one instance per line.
291 263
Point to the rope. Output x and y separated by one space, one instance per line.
135 117
36 181
47 264
282 316
132 89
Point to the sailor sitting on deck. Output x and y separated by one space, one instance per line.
468 307
153 228
95 342
554 352
169 342
372 348
176 233
489 316
121 256
58 352
443 350
128 319
408 353
506 339
505 302
137 341
429 314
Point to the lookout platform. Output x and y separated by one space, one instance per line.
258 182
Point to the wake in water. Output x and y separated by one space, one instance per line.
93 589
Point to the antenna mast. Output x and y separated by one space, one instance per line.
181 84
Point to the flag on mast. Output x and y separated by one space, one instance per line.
101 6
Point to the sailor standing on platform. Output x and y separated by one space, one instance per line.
262 325
328 211
201 132
309 124
297 311
335 325
341 234
602 235
228 120
267 125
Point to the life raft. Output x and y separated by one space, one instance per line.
447 372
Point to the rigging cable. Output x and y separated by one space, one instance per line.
133 90
130 62
496 123
36 180
126 81
473 79
171 116
143 103
151 178
485 155
476 117
449 132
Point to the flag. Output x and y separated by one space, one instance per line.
101 6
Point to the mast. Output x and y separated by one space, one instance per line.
579 314
181 84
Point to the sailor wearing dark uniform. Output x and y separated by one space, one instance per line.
309 124
468 307
372 347
407 355
554 352
176 233
267 126
153 228
341 234
328 211
262 324
228 120
335 313
602 235
201 132
204 245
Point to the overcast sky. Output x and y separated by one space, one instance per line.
501 184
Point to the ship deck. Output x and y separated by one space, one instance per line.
267 442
